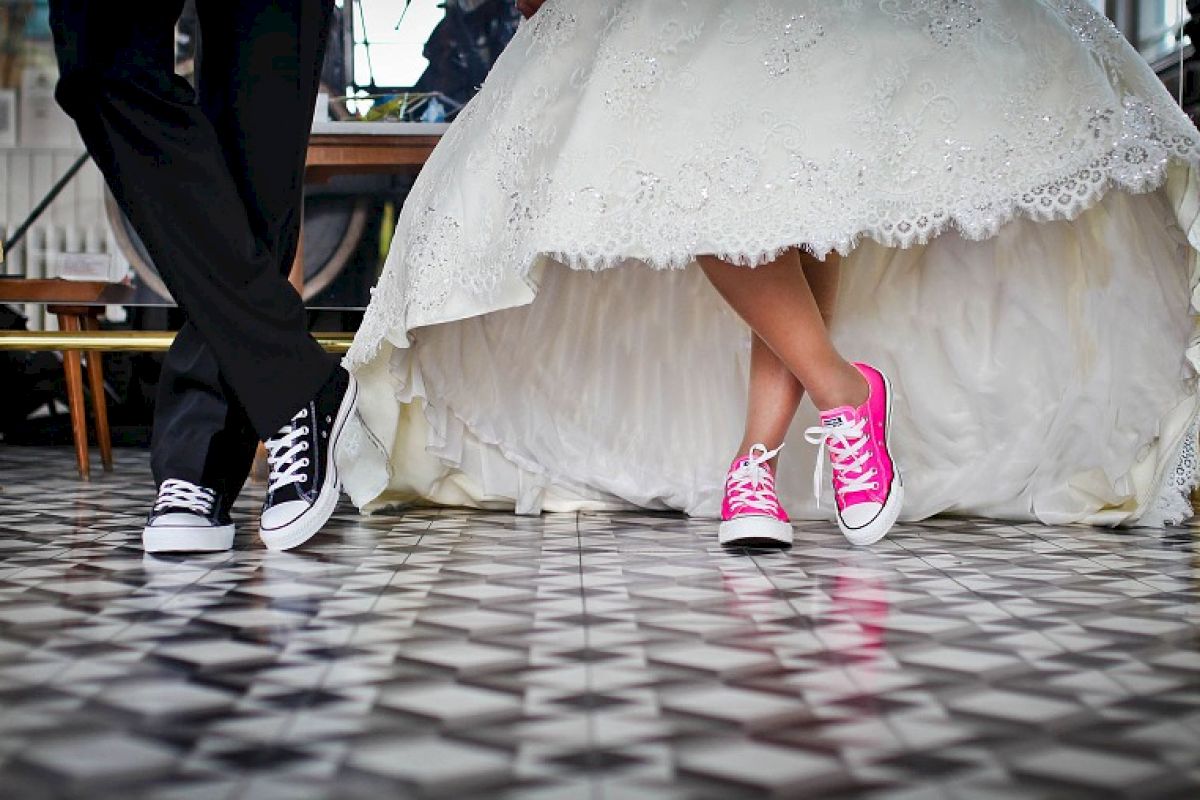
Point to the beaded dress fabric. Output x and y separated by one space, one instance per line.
1009 183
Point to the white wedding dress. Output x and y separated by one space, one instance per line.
1012 187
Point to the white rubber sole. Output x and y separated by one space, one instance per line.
308 524
749 531
179 539
879 527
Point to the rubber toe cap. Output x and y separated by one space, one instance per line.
860 515
282 515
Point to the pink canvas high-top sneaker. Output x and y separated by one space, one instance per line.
750 513
866 482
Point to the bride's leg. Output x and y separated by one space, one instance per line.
774 392
774 396
778 303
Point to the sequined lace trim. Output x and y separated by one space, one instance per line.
1173 503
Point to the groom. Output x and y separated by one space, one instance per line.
212 181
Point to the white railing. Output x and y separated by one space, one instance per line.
74 224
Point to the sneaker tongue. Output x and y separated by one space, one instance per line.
739 464
838 417
743 462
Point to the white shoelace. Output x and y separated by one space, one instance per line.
751 478
847 455
176 493
283 451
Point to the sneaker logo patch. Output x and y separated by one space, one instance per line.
835 422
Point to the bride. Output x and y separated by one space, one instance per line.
659 226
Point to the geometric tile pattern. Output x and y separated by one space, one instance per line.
454 654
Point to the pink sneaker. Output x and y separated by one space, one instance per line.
751 514
866 482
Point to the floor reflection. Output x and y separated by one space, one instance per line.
465 655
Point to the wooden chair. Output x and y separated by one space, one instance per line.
77 305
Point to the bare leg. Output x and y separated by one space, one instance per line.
775 393
774 396
778 303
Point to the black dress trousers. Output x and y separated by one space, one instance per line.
212 181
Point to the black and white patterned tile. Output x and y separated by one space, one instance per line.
452 654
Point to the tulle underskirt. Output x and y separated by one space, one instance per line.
1042 374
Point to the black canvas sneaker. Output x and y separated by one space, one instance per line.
303 488
187 518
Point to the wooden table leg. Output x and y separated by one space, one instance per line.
99 399
73 365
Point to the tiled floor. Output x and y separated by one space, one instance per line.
464 655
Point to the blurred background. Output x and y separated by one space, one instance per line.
404 61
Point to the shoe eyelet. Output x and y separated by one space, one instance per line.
304 462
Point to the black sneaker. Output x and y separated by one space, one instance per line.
187 518
304 488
